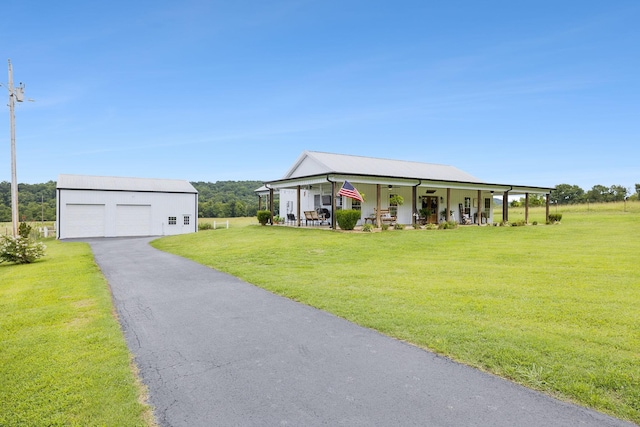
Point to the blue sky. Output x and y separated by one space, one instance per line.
528 93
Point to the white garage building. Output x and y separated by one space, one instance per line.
100 206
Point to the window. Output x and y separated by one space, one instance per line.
356 205
186 220
467 206
487 208
173 220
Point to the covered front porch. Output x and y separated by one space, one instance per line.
390 200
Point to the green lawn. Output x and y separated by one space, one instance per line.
63 359
553 307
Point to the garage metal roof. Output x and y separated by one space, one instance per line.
114 183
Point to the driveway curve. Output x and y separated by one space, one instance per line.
216 351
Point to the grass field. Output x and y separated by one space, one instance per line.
63 359
552 307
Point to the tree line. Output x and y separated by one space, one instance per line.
566 194
222 199
226 199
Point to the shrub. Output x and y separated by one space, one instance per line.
367 228
518 223
557 217
20 250
385 226
205 226
347 218
535 222
24 230
264 217
447 225
432 226
416 226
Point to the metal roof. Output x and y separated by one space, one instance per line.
316 163
114 183
314 167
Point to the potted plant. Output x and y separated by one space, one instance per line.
425 213
443 214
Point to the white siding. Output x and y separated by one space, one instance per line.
126 213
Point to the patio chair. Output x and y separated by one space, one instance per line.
464 219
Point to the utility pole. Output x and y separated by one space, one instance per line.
15 95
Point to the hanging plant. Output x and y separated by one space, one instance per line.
396 199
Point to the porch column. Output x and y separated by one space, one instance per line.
547 213
333 205
271 203
259 202
505 206
413 204
526 208
298 206
448 215
378 205
479 213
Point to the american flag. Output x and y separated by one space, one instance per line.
350 191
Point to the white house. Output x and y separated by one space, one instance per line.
99 206
429 190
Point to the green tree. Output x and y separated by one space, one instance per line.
534 200
227 198
618 192
566 194
636 195
598 194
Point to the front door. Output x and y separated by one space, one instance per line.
431 203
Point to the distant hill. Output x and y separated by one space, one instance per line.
226 199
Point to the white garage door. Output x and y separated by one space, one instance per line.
133 220
84 221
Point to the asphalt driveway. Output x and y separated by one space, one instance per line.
217 351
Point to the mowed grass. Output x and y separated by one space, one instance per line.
554 307
63 358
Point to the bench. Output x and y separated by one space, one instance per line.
385 217
313 216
